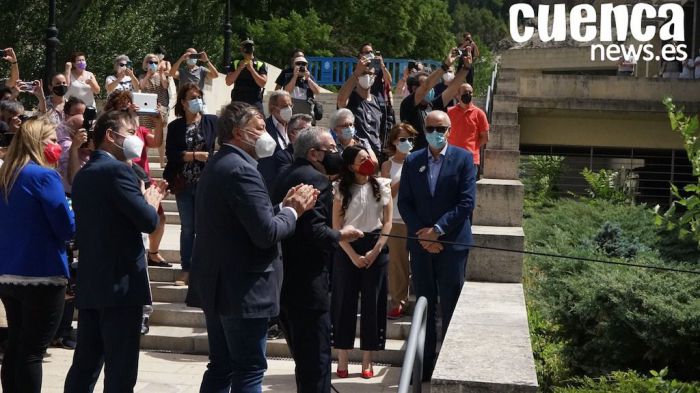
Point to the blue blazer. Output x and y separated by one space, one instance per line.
111 213
451 206
236 261
268 166
35 225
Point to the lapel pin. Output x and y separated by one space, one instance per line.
422 169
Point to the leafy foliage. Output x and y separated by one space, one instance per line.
631 382
684 214
592 319
606 184
541 175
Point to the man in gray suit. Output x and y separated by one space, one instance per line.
237 267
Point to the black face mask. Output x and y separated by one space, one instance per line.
60 90
332 161
466 98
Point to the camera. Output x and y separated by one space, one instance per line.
248 49
195 56
302 69
88 119
129 64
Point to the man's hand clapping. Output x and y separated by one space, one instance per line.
301 198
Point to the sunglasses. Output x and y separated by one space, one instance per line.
300 63
122 64
152 62
407 139
439 129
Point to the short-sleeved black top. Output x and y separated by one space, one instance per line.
368 117
415 115
245 89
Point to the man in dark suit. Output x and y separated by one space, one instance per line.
237 266
284 158
305 306
436 199
280 108
111 211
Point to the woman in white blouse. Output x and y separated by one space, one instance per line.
360 268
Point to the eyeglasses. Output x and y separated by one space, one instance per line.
332 149
439 129
301 63
407 139
152 62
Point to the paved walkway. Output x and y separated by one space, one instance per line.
177 373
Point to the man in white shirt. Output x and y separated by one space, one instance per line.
280 108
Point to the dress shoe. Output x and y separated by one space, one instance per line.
155 262
342 373
144 326
367 374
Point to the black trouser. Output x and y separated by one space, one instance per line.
109 336
65 327
33 314
308 335
370 284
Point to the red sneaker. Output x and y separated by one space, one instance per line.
395 312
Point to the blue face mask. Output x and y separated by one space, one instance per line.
430 96
404 147
153 67
348 132
192 62
436 140
196 105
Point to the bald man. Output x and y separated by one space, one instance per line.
436 199
191 72
470 127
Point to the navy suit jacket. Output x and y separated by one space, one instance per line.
268 166
110 215
236 261
451 206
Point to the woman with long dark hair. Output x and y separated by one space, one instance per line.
360 268
36 223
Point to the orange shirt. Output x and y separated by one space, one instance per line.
467 124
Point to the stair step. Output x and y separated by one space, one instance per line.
169 206
178 314
172 218
168 292
194 340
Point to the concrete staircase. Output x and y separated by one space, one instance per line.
176 327
487 347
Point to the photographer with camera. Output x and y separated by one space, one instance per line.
286 74
73 139
422 98
192 73
413 66
124 78
381 88
248 76
302 87
8 54
356 96
470 48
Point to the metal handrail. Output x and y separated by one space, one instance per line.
413 358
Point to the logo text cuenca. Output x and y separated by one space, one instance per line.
586 25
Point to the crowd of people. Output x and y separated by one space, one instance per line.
280 219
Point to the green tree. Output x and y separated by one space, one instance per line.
481 22
277 37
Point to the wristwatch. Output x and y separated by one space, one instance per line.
438 230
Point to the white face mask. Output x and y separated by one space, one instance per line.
132 146
286 113
264 147
366 81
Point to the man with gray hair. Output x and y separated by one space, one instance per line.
284 158
307 255
280 108
236 263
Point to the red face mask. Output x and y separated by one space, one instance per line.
366 168
52 153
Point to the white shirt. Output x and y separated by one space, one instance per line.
281 133
364 211
124 84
